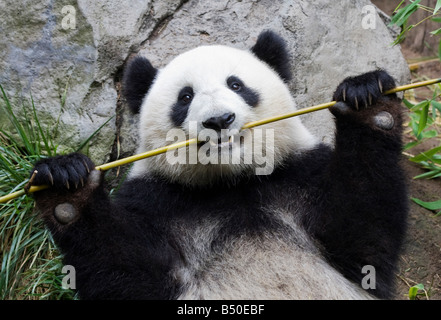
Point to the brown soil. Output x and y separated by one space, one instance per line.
421 260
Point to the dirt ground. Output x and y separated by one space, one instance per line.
421 260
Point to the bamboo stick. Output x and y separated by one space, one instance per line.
186 143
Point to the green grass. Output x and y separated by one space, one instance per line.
30 262
31 265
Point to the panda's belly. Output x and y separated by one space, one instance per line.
285 265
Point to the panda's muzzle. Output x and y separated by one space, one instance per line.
220 122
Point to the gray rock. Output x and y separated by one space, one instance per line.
37 55
327 40
70 72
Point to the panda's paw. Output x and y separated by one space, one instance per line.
364 91
63 172
72 181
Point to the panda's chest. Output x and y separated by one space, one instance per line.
216 266
278 263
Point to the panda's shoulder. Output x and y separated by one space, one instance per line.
303 165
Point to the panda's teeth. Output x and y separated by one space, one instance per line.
220 143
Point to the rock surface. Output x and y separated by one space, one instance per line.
73 74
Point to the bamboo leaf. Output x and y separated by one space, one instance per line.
439 50
427 175
420 105
411 145
436 32
408 104
426 155
437 7
436 105
93 134
432 205
423 117
413 291
404 13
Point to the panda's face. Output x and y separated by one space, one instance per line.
210 93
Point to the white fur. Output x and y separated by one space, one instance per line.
206 69
274 266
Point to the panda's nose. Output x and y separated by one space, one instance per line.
221 122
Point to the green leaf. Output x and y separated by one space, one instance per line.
423 117
426 155
437 6
436 32
404 13
93 134
411 145
436 19
413 291
429 134
408 104
420 105
427 175
436 105
439 50
432 205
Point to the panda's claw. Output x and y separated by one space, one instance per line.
51 178
365 90
66 172
86 166
356 103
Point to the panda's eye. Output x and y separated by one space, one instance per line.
234 83
186 98
186 95
235 86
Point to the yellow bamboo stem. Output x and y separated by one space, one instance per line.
186 143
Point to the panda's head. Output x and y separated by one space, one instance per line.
210 93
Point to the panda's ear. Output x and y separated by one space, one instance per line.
271 48
137 80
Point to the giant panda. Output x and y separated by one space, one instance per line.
306 226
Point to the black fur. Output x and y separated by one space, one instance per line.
220 122
364 90
271 48
353 200
179 110
250 96
138 77
64 171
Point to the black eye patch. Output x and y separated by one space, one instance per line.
250 96
179 110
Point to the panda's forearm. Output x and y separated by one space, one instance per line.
136 262
364 212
